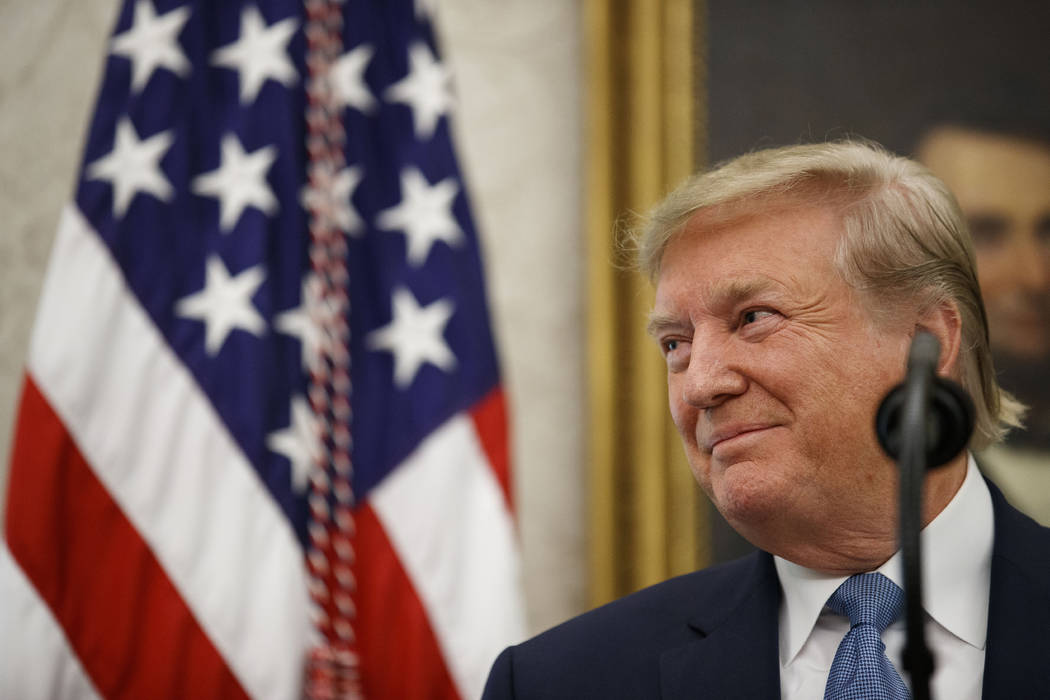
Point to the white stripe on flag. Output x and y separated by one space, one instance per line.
444 513
35 659
157 445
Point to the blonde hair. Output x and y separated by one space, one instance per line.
905 240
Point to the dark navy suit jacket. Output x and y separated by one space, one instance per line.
713 633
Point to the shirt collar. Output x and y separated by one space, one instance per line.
957 553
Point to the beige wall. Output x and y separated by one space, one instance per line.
53 56
517 66
520 135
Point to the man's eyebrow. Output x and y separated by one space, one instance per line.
661 322
738 290
722 296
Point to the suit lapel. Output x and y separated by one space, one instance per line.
735 652
1017 655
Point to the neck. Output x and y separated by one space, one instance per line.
861 543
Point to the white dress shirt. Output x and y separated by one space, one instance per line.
957 554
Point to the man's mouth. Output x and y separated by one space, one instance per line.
728 435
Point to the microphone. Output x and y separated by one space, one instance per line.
922 423
950 413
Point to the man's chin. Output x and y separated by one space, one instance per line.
748 505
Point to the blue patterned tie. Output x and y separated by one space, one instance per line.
861 670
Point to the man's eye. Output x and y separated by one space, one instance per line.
670 345
754 315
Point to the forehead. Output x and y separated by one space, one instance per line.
778 248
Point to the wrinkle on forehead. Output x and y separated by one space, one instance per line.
693 284
812 195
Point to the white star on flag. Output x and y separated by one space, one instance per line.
347 79
424 214
298 442
133 166
426 89
331 199
260 53
307 321
415 335
151 42
239 181
225 303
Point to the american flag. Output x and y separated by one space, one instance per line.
261 448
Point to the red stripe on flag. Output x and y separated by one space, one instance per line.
124 619
490 420
400 657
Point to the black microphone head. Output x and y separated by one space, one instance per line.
951 421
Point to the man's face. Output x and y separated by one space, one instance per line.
775 371
1003 187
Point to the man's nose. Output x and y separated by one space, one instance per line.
713 375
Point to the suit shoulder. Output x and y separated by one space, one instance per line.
1020 540
668 603
618 645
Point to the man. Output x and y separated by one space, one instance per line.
1002 181
789 284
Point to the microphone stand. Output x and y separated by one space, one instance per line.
915 418
924 422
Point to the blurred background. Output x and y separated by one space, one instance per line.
573 116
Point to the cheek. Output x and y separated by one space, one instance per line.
684 417
847 432
836 400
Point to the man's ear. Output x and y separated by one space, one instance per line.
944 321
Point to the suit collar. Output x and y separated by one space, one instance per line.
735 650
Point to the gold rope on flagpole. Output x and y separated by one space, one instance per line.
333 670
646 516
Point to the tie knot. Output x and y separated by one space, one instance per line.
868 599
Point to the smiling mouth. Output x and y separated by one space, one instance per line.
727 438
